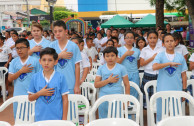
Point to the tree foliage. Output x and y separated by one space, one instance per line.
61 9
58 15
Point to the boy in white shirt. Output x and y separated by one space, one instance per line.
91 51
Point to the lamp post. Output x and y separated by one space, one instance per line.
28 15
51 4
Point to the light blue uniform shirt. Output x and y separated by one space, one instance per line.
130 62
49 107
169 78
21 84
67 66
44 43
112 88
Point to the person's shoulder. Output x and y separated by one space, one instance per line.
145 48
119 66
179 55
46 40
136 49
54 43
17 59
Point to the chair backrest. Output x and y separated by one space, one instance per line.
171 103
95 65
189 73
2 75
177 121
191 82
86 88
90 78
117 105
93 71
2 123
74 101
113 122
100 54
25 109
140 78
53 123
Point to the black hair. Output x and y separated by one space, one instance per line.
138 39
136 35
152 32
163 32
91 34
130 32
8 32
109 29
60 23
24 41
167 34
28 33
178 36
2 38
76 38
99 33
87 39
115 38
15 33
109 50
114 30
81 40
110 40
49 51
46 32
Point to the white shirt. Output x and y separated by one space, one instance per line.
4 55
182 49
104 40
85 45
122 41
14 53
147 53
84 63
191 59
91 52
121 35
159 43
102 61
9 42
97 43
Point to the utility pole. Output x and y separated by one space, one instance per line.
28 14
51 4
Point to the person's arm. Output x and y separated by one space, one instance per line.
185 56
144 62
34 49
184 79
13 46
138 64
127 53
95 60
43 92
9 60
65 106
191 65
98 83
85 73
90 60
158 66
126 84
77 79
25 69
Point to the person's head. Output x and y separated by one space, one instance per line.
74 35
141 42
12 31
23 36
89 42
178 38
163 33
169 42
122 31
24 32
22 47
29 34
110 55
7 34
86 35
75 40
36 30
99 35
139 32
81 44
48 58
115 33
168 27
116 41
129 38
110 42
15 36
46 34
2 39
108 32
136 36
152 38
92 35
160 32
60 30
52 35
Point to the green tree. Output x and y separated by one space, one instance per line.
58 15
61 9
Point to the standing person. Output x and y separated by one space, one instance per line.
129 58
46 35
172 71
69 57
49 88
38 42
8 40
85 63
15 37
105 39
109 79
146 60
5 58
91 51
29 35
21 69
52 37
168 29
97 42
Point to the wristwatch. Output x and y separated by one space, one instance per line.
185 90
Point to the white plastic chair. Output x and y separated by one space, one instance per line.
2 123
53 123
140 78
140 99
177 121
169 99
146 87
90 78
189 73
95 65
73 112
113 122
86 87
100 54
93 72
29 109
113 109
191 83
2 81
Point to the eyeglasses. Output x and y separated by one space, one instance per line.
129 38
20 48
